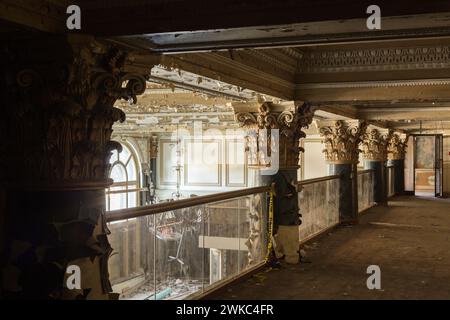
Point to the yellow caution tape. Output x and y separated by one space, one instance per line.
270 229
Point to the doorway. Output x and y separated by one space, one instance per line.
428 163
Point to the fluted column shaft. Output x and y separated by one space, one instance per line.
374 149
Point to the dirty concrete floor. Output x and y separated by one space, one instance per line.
409 240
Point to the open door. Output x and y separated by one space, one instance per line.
439 165
425 165
428 165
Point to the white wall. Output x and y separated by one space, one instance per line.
215 164
313 163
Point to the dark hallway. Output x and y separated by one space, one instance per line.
409 240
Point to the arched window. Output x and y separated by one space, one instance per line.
124 192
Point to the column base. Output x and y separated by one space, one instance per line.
47 231
287 244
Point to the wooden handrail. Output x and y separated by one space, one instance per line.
130 213
366 171
316 180
125 190
122 214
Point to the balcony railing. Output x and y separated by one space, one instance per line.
365 189
172 250
319 206
185 248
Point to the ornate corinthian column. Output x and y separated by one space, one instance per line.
396 157
282 157
57 96
342 139
396 147
375 144
287 119
375 153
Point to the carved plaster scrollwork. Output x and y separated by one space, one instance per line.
63 113
253 242
396 147
375 144
246 119
342 139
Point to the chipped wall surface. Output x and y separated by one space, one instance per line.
365 191
173 254
319 207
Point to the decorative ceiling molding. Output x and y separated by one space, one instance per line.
177 118
215 66
145 124
421 126
155 114
244 68
422 103
380 59
375 84
194 82
278 58
173 109
158 98
295 53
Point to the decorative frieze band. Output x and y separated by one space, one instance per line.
426 57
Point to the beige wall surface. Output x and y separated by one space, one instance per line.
409 166
313 160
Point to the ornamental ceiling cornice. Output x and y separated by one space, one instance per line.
275 59
375 84
294 53
379 59
174 118
193 109
258 75
135 127
172 101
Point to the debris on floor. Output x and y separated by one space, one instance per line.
167 290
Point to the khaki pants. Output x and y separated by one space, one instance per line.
287 243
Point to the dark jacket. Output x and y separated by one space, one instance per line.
286 209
